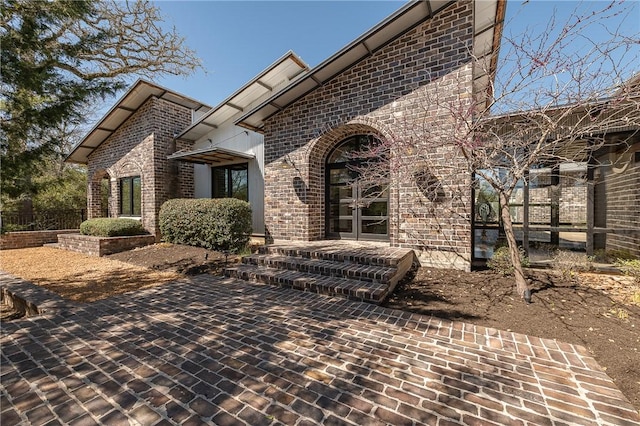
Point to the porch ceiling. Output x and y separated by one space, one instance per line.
488 19
214 155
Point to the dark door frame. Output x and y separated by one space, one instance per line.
357 202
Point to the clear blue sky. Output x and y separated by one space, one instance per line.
238 39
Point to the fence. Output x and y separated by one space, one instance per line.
42 220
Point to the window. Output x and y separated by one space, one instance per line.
130 196
230 182
548 210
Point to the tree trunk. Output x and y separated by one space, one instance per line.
521 284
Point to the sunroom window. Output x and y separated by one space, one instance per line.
230 182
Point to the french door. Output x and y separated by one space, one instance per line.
355 209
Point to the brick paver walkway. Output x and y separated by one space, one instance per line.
218 351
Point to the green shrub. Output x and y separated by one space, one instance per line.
501 263
216 224
570 263
10 227
111 227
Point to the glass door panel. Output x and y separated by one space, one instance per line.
341 201
355 210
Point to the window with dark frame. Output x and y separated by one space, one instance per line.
130 196
230 181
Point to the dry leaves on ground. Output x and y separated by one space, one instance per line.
620 288
79 277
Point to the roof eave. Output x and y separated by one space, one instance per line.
426 13
139 84
289 55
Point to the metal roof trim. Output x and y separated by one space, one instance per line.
140 87
255 80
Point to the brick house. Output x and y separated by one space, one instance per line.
368 91
155 144
128 172
287 140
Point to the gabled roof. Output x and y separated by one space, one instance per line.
273 78
126 106
488 19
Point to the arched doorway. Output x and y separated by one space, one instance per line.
357 206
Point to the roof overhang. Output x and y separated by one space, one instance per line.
126 106
488 20
488 24
274 77
213 155
613 118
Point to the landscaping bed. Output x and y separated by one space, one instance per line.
80 277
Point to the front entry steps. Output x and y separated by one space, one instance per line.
364 271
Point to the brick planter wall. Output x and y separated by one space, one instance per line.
26 239
384 94
101 246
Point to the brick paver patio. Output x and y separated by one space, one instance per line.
218 351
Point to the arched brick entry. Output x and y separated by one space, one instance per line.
95 196
317 157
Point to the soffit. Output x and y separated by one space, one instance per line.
266 83
488 24
211 155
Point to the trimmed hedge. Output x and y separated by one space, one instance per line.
215 224
112 227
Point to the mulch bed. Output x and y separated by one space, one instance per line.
185 260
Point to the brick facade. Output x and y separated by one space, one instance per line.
572 201
139 147
102 246
382 95
617 207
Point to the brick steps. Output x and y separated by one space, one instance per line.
364 254
350 288
330 268
358 271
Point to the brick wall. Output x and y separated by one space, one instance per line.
102 246
25 239
387 94
618 207
139 147
572 201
